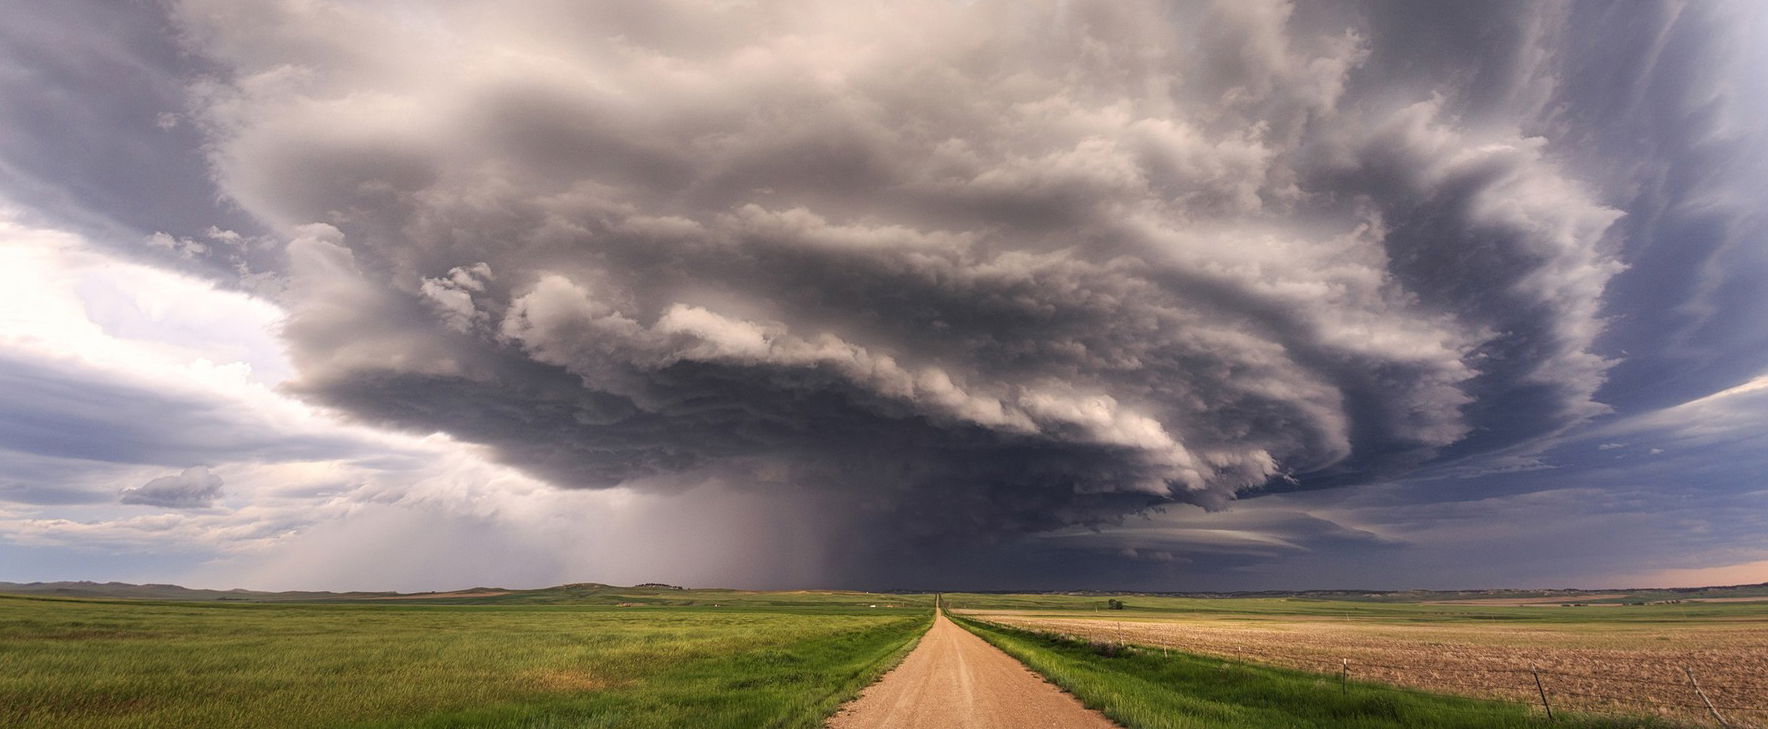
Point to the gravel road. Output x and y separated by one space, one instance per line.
955 679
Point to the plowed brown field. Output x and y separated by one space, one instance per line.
1601 667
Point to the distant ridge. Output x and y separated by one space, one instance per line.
660 593
167 592
653 594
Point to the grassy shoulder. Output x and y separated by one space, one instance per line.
1143 689
124 664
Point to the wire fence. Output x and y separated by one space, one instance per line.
1678 693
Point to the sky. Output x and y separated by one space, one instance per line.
1237 295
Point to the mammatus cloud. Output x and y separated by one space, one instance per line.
979 269
192 488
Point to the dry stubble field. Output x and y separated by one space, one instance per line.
1597 659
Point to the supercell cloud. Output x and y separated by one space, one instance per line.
987 269
951 274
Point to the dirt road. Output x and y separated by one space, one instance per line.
954 679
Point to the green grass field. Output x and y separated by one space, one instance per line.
755 660
1148 690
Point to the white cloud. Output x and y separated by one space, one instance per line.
192 488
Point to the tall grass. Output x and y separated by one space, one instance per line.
1147 690
116 665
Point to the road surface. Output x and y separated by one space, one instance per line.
956 680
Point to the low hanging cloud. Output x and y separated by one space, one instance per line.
975 269
192 488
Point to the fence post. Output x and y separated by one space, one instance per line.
1543 691
1703 697
1344 676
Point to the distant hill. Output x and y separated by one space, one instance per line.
168 592
582 593
654 593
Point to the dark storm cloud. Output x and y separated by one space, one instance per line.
980 269
1656 106
95 134
1612 506
1685 149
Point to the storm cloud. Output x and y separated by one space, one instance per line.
986 269
947 277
